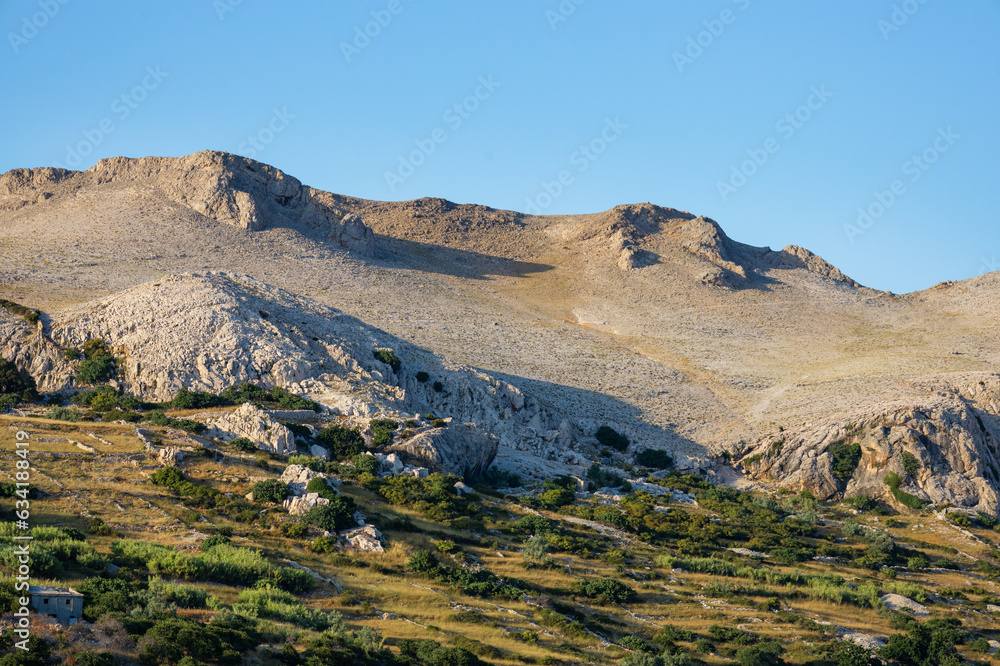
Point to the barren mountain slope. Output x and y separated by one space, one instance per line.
648 318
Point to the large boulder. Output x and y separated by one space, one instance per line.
461 449
298 477
300 504
258 426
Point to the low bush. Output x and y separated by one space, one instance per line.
270 491
654 458
62 414
342 442
366 464
30 315
382 430
388 357
845 460
333 517
243 444
605 590
96 369
893 480
320 486
611 438
602 478
911 464
161 419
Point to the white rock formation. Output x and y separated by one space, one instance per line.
258 426
298 477
300 504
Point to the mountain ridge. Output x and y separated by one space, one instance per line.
648 318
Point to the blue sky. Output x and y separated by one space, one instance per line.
780 120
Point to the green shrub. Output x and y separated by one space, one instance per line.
95 370
320 486
602 478
188 399
30 315
605 590
654 458
388 357
15 381
382 430
845 460
960 519
62 414
610 437
71 354
270 491
245 392
342 442
911 465
272 603
932 642
980 645
434 496
763 654
243 444
333 517
433 654
119 415
366 464
161 419
294 530
438 387
422 376
893 480
289 400
422 561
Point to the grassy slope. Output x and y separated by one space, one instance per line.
120 492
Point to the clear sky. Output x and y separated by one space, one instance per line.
778 119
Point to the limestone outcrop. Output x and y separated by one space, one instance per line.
300 504
945 449
258 426
461 449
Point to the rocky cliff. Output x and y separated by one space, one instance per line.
210 331
944 448
223 187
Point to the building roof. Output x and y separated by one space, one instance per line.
48 591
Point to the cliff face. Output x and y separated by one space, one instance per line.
944 448
223 187
214 330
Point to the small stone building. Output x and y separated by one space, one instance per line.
63 603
